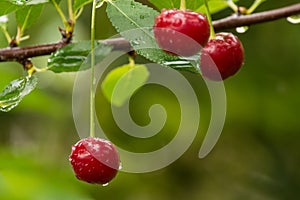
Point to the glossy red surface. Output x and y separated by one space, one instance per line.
222 57
94 160
180 32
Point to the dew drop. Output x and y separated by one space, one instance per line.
295 19
242 29
132 4
120 166
135 43
106 184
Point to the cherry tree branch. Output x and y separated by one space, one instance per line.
21 53
256 18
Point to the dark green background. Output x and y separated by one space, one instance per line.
257 156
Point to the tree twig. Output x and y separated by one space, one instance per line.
256 18
19 53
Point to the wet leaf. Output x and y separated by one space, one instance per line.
16 91
75 57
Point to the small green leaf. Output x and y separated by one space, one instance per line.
75 57
80 3
15 92
28 15
134 22
123 81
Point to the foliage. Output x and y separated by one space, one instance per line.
76 57
257 155
131 19
16 91
122 82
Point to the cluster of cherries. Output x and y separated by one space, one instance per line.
183 33
186 33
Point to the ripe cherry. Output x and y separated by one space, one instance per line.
222 57
94 160
180 32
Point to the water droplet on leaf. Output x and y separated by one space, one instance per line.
295 19
106 184
242 29
132 4
135 43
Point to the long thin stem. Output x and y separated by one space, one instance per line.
60 12
92 83
182 5
70 9
232 5
254 6
5 32
208 15
19 35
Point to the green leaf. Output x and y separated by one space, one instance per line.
75 57
8 7
34 2
16 91
134 21
195 5
80 3
123 81
28 15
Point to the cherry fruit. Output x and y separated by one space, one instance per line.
180 32
222 57
95 160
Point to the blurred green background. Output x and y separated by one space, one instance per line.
257 156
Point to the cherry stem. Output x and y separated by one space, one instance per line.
60 12
254 6
208 15
6 33
182 5
232 5
92 83
70 9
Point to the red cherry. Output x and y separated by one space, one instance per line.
95 160
222 57
180 32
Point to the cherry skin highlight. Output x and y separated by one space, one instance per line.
222 57
182 33
95 160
